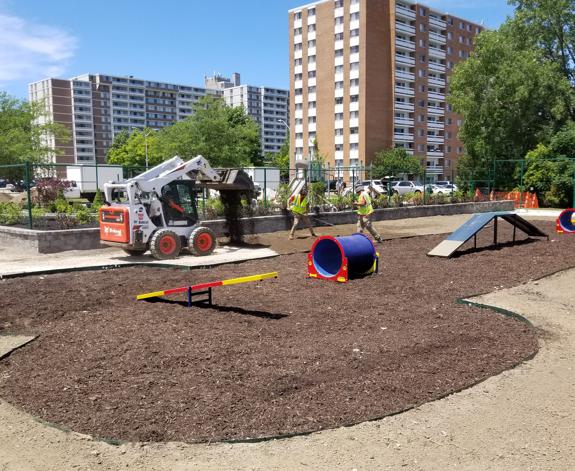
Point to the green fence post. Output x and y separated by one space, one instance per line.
28 192
265 187
521 186
97 186
424 186
573 206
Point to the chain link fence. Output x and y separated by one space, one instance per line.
68 195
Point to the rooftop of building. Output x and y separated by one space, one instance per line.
409 2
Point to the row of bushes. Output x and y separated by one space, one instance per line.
214 209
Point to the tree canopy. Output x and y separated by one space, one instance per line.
395 162
129 150
511 99
226 136
22 138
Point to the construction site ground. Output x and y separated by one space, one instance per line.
520 419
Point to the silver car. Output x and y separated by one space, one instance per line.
403 187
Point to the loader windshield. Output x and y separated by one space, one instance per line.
179 203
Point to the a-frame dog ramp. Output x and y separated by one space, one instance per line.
478 222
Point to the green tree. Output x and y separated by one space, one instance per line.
129 150
548 25
226 136
22 137
394 162
510 98
281 160
551 168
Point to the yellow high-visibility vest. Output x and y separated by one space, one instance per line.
367 208
299 205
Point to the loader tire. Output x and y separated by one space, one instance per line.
135 252
165 245
202 241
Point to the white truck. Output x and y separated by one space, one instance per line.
85 180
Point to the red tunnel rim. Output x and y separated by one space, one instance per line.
339 246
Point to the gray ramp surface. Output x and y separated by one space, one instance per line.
475 224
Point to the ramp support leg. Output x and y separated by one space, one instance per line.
495 231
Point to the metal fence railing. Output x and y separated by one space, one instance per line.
28 191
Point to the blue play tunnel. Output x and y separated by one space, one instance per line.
341 258
565 221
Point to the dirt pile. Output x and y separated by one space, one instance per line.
233 213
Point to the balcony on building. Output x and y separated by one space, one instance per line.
437 22
405 27
406 44
436 66
404 59
434 152
435 139
398 121
403 137
436 95
437 82
404 106
403 75
436 110
436 52
403 11
434 170
404 91
435 125
437 37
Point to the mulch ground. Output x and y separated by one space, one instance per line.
284 356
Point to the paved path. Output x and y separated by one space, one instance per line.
25 263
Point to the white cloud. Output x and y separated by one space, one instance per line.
30 51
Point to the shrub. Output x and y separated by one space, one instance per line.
48 190
98 200
38 216
83 215
10 213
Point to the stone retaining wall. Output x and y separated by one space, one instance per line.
86 239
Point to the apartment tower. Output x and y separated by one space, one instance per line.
96 107
368 75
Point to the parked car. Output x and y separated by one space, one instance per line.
445 189
376 185
404 187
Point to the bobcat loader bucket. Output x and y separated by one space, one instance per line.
230 180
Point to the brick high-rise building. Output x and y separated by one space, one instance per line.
368 75
96 107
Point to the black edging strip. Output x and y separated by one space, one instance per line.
462 301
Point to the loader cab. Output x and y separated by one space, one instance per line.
179 203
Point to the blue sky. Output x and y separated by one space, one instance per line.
169 40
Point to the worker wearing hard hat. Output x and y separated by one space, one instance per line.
365 213
298 205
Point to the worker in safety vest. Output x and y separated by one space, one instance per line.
365 213
298 206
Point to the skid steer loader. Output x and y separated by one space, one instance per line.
157 210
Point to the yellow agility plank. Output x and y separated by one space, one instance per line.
157 294
249 279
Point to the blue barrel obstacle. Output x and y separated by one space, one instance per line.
565 223
342 258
